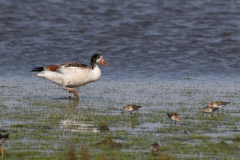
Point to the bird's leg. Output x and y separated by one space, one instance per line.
137 111
175 123
75 93
70 94
2 151
72 90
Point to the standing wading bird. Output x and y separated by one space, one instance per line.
73 74
154 148
209 110
2 139
218 104
131 108
174 117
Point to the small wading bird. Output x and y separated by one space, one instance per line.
218 104
174 117
2 139
131 108
155 148
209 110
73 74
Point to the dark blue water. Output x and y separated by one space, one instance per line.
141 40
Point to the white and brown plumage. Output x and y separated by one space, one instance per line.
218 104
155 148
2 139
131 108
209 110
73 74
175 117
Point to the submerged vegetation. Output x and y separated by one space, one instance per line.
43 124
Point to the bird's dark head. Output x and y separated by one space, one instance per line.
98 58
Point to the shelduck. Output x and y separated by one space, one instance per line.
72 74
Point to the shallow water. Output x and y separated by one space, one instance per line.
39 111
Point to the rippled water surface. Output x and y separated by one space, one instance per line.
139 39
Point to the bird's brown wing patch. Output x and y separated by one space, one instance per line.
51 68
136 107
225 103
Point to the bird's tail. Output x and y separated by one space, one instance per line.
37 69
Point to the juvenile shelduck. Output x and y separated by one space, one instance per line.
73 74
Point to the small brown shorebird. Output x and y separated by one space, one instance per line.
218 104
174 117
131 108
154 148
209 110
2 139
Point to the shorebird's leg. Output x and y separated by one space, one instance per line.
70 94
136 112
72 90
2 151
175 123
